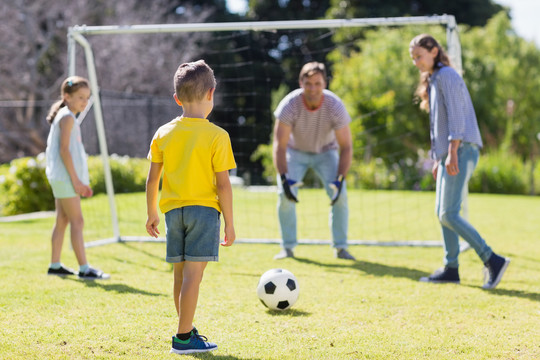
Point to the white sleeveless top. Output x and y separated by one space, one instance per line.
56 169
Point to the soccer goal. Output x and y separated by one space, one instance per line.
255 64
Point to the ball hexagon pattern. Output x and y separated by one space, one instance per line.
278 289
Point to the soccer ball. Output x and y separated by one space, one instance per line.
278 289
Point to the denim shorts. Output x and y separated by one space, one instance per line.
192 234
62 189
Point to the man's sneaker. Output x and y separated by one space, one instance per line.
344 254
443 275
62 271
284 253
195 344
93 274
494 270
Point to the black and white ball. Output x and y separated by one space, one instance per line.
278 289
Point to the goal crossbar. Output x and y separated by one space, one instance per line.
264 25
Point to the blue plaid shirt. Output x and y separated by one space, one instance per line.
451 112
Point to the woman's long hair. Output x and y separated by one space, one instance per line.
428 42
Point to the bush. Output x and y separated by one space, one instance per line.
405 174
263 153
24 187
128 174
500 173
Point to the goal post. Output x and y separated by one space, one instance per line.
77 35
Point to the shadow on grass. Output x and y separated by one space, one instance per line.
370 268
119 288
209 355
141 264
514 293
413 274
147 253
288 313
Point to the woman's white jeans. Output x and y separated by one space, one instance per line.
325 165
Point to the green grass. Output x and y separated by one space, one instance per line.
374 215
370 309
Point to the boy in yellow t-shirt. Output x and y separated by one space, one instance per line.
194 156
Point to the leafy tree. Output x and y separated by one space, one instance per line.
33 57
395 115
513 65
261 10
377 85
471 12
504 71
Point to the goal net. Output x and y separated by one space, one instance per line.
256 64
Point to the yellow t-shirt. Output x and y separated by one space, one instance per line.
192 150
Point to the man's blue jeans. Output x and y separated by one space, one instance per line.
325 165
449 196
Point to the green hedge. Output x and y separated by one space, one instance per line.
24 187
406 174
497 172
501 173
129 174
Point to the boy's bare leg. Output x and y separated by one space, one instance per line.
189 293
178 270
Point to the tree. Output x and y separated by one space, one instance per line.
33 57
471 12
501 71
377 85
504 71
261 10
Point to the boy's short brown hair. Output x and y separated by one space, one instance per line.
312 68
193 80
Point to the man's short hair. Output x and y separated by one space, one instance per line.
193 80
312 68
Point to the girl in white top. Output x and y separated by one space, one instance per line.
67 172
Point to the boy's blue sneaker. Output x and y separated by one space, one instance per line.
196 343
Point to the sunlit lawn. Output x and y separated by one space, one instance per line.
373 308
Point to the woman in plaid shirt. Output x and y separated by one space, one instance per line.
455 147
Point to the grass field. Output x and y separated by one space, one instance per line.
373 308
374 215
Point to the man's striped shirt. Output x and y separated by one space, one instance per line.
312 130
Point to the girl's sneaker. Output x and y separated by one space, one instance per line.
93 274
195 344
61 271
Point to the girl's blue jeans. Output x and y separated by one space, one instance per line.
449 196
325 166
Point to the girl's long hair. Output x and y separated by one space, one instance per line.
69 86
428 42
